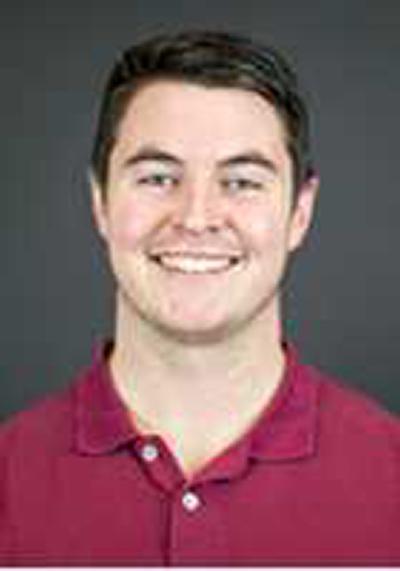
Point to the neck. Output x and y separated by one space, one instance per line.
183 391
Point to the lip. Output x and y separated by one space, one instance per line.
196 262
206 253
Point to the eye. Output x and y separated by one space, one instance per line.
157 180
239 183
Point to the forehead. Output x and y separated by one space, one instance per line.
199 118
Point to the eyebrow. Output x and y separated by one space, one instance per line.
250 158
152 153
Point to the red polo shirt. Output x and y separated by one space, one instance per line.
316 481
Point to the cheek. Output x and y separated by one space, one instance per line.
130 223
265 228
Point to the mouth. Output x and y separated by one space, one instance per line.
196 263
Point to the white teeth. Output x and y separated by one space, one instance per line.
191 264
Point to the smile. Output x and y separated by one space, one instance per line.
195 264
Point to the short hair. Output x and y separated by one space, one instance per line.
212 59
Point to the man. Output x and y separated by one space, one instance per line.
197 437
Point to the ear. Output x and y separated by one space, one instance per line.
99 206
303 211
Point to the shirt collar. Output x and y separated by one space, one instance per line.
102 421
286 430
288 427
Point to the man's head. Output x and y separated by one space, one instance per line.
210 59
201 188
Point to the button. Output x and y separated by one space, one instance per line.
190 501
149 452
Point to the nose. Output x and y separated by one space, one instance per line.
199 209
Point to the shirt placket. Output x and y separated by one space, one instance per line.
198 534
195 533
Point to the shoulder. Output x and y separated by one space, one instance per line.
353 423
48 429
47 426
44 423
357 449
33 446
351 405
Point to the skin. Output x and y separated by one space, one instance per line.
199 222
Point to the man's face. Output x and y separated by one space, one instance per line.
199 217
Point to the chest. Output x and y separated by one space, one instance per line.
122 510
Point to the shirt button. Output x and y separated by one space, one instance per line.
149 452
190 501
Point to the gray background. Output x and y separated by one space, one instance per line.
55 292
